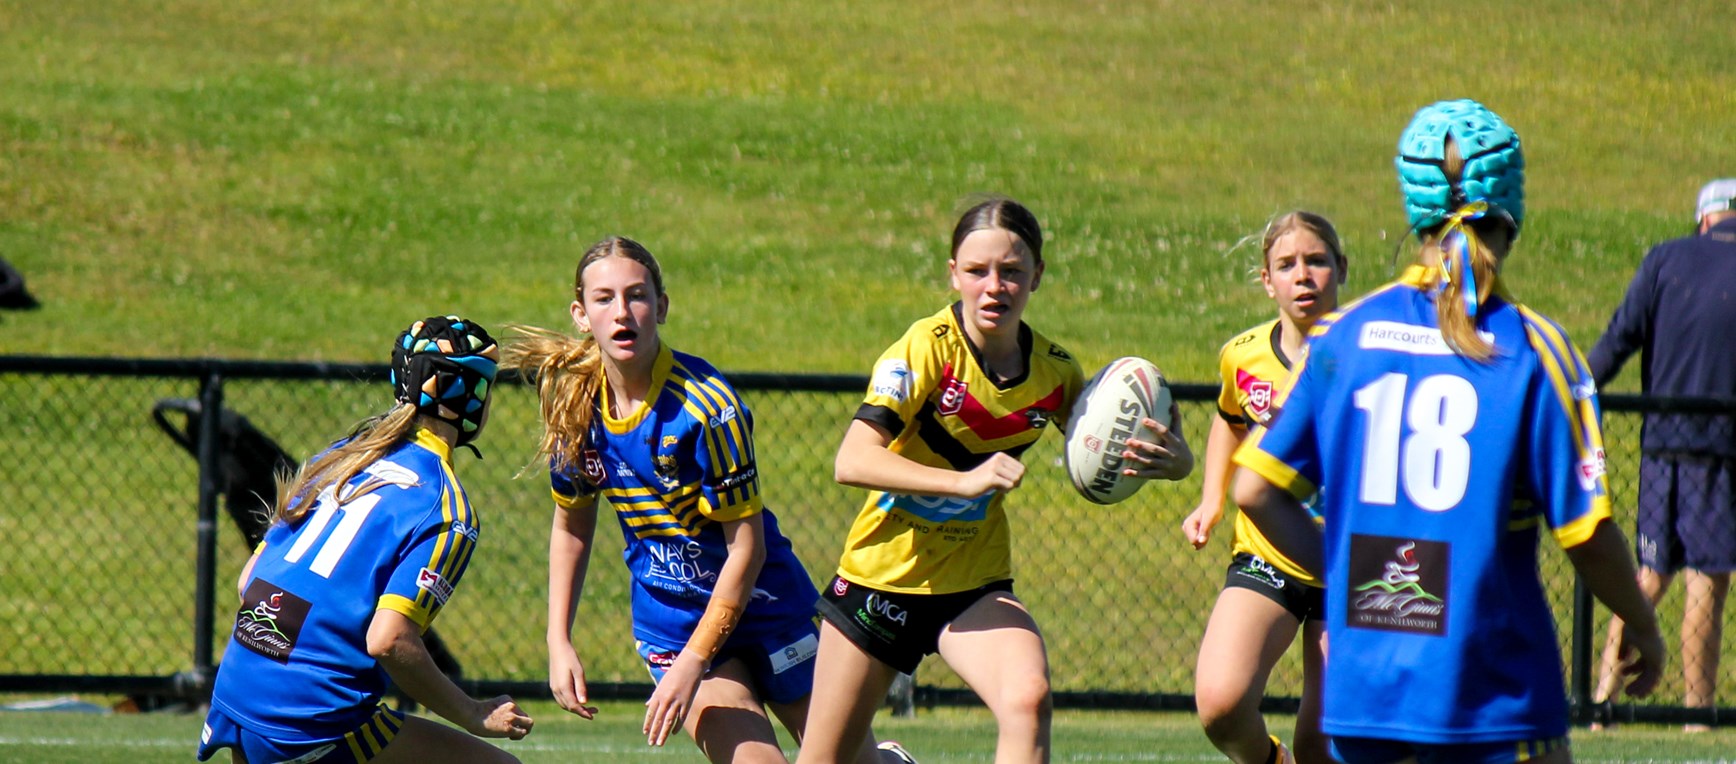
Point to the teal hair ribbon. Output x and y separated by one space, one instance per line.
1458 241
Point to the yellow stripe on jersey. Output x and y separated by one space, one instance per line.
1564 367
1274 471
407 607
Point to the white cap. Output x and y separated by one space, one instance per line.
1717 196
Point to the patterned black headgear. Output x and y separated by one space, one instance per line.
443 365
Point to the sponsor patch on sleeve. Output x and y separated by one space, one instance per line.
893 379
433 583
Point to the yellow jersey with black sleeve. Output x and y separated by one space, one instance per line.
1253 370
929 390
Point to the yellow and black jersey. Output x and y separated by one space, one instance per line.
1253 371
930 392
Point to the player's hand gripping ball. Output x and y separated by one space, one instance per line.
1107 413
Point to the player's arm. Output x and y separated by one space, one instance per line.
570 537
673 698
1283 520
865 461
1605 565
247 571
1221 443
396 642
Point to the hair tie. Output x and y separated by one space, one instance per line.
1457 242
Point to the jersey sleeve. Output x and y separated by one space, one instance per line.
903 379
1566 459
569 489
440 545
1286 452
1228 406
729 486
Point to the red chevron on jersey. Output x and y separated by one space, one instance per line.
990 427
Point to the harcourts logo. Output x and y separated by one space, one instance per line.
1407 338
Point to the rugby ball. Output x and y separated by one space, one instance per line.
1107 413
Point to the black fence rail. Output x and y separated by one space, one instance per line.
127 514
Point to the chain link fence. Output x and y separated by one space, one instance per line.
105 584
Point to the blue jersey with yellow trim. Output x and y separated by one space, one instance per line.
674 470
1439 471
297 667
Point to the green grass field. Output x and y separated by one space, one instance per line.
938 736
269 181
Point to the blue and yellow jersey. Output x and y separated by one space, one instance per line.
677 467
297 667
1253 370
930 392
1440 471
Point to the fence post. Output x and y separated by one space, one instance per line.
1583 635
205 588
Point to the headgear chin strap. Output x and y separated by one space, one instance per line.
444 365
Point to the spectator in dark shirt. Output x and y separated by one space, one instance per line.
1678 313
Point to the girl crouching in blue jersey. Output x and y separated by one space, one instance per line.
1448 425
723 612
369 540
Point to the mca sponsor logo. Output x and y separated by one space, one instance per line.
1407 338
434 584
879 608
270 620
1404 585
893 379
952 394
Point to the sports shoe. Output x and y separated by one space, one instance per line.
1283 756
898 752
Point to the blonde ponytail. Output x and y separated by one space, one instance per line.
371 441
1464 261
568 373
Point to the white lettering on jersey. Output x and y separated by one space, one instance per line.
893 379
1407 338
394 473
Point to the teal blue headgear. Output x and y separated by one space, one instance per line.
1494 166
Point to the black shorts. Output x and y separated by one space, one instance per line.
1687 513
896 629
1252 572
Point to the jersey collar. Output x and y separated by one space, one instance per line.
659 376
427 439
1425 277
1025 343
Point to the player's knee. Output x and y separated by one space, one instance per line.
1219 704
1024 698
